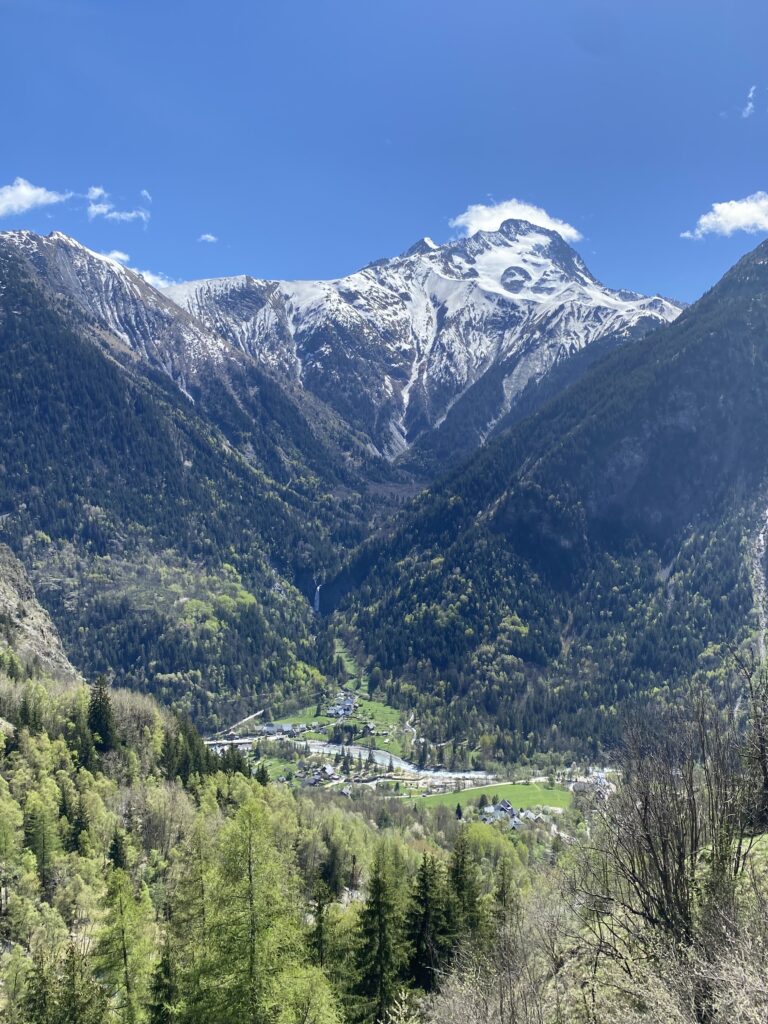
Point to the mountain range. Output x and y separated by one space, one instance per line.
184 466
441 333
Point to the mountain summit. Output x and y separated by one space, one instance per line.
442 331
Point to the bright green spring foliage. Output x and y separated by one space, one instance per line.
146 881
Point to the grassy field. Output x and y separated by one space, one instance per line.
278 766
519 795
305 715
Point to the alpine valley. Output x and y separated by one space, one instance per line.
520 499
417 549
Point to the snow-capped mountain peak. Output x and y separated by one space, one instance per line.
120 302
395 346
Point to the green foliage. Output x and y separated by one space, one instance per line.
591 555
100 718
382 953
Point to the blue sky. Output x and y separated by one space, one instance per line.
310 137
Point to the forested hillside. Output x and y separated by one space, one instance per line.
163 554
595 552
145 880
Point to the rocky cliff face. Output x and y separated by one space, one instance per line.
25 626
395 347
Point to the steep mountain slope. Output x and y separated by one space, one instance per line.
594 551
25 627
140 326
161 552
395 347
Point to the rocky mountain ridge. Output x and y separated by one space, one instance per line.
395 347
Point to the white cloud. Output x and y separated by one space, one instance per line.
21 196
100 205
749 107
750 214
207 237
118 256
156 280
145 195
490 217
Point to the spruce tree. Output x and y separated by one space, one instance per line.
37 1003
101 720
79 998
427 924
382 952
41 836
118 854
464 888
163 992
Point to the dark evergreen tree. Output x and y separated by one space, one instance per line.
428 925
466 910
118 853
79 998
163 990
101 719
381 951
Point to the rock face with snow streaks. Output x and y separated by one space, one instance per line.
395 347
122 303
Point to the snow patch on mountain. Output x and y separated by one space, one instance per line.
119 301
395 345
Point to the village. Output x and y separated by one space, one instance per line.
349 744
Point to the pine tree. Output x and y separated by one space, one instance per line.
382 952
101 720
427 924
163 991
79 997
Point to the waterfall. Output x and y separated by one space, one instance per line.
317 599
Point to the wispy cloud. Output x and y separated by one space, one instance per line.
749 214
145 195
21 196
207 237
749 107
490 217
101 205
118 256
157 280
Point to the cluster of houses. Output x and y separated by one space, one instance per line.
287 729
505 813
343 705
596 785
317 776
